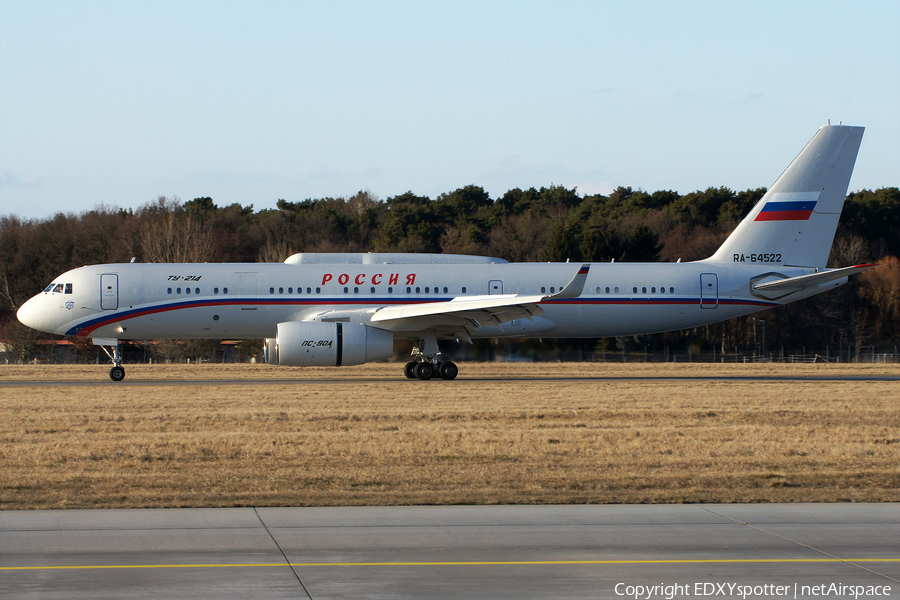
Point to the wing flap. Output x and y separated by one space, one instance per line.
481 310
481 304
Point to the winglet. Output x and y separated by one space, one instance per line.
574 288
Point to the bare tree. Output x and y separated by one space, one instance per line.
275 251
170 235
849 249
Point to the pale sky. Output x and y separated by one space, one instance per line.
116 103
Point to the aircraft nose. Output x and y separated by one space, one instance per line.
30 314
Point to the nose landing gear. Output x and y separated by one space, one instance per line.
117 372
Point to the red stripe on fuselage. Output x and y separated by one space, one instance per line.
115 318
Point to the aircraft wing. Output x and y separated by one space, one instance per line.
472 312
803 281
491 309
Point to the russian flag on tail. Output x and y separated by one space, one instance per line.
786 210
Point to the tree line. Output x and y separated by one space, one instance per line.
553 223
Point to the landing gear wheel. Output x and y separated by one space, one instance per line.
410 370
117 373
448 370
424 371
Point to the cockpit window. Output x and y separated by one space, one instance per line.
57 288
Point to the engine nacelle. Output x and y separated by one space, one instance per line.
302 344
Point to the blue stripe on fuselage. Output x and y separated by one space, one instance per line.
84 328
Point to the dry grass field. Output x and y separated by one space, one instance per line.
577 433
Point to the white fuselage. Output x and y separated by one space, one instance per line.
248 300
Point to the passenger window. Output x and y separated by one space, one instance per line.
617 290
356 290
318 290
426 290
543 290
418 290
224 290
643 290
607 290
634 290
390 290
177 290
464 289
346 290
170 291
372 290
671 290
197 291
408 290
271 290
653 290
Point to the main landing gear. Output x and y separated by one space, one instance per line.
426 370
425 366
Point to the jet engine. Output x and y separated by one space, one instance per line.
302 344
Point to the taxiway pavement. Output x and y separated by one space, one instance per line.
466 552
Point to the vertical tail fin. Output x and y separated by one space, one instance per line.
794 223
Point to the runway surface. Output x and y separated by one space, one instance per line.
102 380
467 552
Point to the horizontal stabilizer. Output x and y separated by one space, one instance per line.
804 281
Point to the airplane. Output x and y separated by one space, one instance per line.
337 309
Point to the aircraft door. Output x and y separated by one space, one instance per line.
109 292
495 286
709 290
248 290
